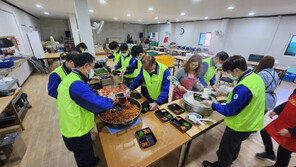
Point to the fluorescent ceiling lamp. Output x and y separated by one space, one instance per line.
91 10
156 18
251 14
178 20
139 20
39 6
115 18
183 14
46 13
151 9
206 17
102 1
158 22
129 15
230 7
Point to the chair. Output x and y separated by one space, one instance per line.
188 48
179 47
183 47
193 50
205 50
198 50
255 57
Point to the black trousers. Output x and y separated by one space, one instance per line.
144 92
128 81
82 149
283 155
230 146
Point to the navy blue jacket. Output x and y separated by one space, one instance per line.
54 81
165 86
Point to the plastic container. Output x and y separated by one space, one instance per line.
176 108
181 123
289 77
163 115
6 63
145 107
166 60
145 137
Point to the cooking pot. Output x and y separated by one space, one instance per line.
121 125
191 105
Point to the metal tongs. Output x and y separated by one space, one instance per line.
196 118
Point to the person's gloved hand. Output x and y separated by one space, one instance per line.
122 72
182 88
112 69
128 92
153 106
112 96
207 103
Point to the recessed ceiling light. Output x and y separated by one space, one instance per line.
139 20
129 15
158 22
183 14
46 13
102 1
151 9
91 10
115 18
177 20
195 0
230 7
156 18
206 17
251 14
39 6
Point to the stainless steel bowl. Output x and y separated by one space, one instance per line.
194 106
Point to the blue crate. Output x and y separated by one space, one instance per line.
6 63
289 77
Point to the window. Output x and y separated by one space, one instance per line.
205 39
291 49
202 37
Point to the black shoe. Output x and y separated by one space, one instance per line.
264 156
207 164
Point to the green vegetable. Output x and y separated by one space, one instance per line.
100 72
141 134
168 116
181 110
186 124
145 109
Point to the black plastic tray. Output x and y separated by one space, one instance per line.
176 108
144 136
145 107
163 115
179 123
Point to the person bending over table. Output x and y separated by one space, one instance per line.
77 103
210 66
187 77
243 111
156 77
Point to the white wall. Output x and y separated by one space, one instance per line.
113 29
55 28
24 23
245 36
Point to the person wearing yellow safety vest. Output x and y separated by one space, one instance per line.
116 53
243 111
134 68
156 76
209 68
77 104
59 74
125 60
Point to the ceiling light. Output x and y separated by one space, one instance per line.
129 15
46 13
206 17
91 11
151 9
139 20
115 18
39 6
156 18
102 1
178 20
230 7
158 22
195 0
183 14
251 14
